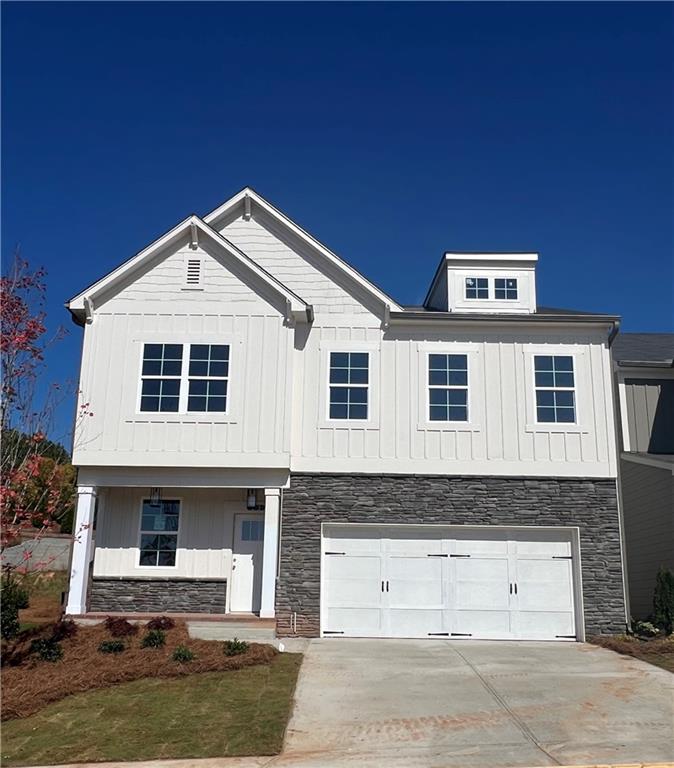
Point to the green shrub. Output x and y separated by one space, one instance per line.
47 648
161 622
13 597
663 600
119 627
111 646
155 638
234 647
183 654
644 629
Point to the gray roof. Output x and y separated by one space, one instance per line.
541 312
654 349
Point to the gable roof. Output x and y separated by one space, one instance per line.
644 349
248 195
81 305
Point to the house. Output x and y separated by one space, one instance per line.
644 370
273 434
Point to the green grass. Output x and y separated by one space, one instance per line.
215 714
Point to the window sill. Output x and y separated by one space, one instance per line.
181 418
348 424
561 427
447 426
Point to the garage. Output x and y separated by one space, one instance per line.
434 581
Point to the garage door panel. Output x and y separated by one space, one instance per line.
416 623
534 625
543 549
545 585
481 623
345 567
475 546
355 622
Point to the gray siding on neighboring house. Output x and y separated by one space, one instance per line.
650 414
311 499
648 511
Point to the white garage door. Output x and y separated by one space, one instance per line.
438 581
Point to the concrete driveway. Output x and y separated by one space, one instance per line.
410 703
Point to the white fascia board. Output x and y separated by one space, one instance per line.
305 237
297 306
497 257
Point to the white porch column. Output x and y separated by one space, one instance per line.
272 508
82 550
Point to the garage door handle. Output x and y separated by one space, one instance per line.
382 586
387 586
511 589
515 588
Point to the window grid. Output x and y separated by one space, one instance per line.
252 530
160 378
208 378
477 288
447 387
505 288
555 389
349 384
159 525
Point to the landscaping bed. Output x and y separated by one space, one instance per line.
29 682
658 651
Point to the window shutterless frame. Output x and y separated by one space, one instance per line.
476 288
447 387
555 400
348 386
142 532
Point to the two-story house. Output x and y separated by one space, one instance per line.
273 434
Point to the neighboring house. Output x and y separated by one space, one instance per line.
644 368
272 433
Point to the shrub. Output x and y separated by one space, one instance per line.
155 638
64 629
161 622
234 647
663 600
47 648
111 646
644 629
183 654
13 598
119 627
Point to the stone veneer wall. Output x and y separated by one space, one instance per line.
157 595
589 504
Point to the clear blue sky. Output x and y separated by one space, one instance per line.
392 132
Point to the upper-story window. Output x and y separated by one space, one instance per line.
161 372
349 382
555 392
477 288
505 288
170 384
159 523
448 387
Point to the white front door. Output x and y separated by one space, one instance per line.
247 563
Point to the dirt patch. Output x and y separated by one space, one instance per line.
658 651
28 683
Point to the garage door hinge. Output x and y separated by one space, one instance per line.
437 555
335 553
567 637
562 557
438 634
459 555
462 634
333 632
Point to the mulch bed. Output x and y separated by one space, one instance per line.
29 683
660 648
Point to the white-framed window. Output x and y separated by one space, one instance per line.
447 387
184 378
349 379
554 383
208 376
252 530
160 378
159 525
477 288
505 288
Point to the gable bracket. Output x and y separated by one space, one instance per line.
194 236
88 310
246 208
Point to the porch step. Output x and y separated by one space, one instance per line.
221 630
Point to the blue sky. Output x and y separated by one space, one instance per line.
392 132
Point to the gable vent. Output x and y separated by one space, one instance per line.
193 273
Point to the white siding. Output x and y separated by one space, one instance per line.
204 539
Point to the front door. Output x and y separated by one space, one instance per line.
247 563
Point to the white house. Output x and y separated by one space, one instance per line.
273 434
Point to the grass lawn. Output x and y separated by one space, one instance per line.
214 714
45 590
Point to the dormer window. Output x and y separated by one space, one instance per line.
477 288
505 288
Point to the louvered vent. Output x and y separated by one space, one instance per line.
193 273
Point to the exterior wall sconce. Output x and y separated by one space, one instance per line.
251 499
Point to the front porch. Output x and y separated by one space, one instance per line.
206 552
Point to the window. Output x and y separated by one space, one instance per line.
159 533
448 387
555 397
161 371
252 530
208 377
477 288
349 379
505 288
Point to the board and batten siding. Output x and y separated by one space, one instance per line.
650 414
205 535
156 308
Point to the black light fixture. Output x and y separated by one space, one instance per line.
155 497
251 499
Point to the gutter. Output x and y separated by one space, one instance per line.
465 317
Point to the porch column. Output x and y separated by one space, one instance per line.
272 508
82 550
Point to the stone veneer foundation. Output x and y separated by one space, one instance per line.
589 504
157 595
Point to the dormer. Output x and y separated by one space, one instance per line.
484 282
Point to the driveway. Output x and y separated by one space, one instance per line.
407 703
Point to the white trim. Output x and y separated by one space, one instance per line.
648 461
624 422
157 569
282 219
184 477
